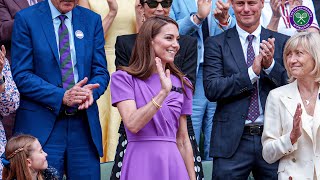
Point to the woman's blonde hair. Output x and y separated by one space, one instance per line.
310 42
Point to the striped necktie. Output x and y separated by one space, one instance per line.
65 55
253 112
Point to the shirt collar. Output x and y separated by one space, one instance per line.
55 13
243 34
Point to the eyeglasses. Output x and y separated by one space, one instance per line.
155 4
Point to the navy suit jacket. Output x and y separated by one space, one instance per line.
36 71
227 82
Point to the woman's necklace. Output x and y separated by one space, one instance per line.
307 100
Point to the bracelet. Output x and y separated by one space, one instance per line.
200 19
226 23
156 104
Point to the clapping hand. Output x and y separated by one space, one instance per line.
297 125
257 64
165 79
80 95
267 51
89 101
76 95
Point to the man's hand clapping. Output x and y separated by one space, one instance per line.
80 95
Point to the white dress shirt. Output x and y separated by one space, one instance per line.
253 77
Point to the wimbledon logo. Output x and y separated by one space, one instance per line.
301 17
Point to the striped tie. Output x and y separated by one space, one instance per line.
65 55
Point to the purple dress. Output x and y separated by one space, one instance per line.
152 153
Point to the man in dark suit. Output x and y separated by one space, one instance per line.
241 66
59 66
8 9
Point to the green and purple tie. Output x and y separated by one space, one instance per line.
65 55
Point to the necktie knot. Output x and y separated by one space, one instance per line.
62 18
250 38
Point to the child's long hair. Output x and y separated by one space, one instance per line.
18 149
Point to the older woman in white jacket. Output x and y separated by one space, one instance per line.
292 114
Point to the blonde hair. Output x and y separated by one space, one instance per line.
310 42
18 149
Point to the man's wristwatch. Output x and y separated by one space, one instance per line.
2 80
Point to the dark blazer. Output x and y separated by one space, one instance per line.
316 4
36 71
185 60
8 10
227 82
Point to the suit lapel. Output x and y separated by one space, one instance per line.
265 34
48 28
290 101
78 25
22 3
237 53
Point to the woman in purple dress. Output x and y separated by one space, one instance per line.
153 98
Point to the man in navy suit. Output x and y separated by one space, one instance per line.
200 19
58 64
240 67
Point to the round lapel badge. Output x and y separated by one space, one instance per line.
301 17
79 34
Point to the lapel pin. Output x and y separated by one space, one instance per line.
79 34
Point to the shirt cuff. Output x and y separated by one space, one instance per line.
191 19
268 70
288 147
253 77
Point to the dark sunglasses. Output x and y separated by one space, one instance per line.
155 4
